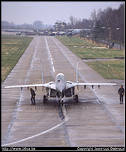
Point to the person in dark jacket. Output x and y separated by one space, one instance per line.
121 93
32 96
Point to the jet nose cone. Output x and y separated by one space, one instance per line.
60 91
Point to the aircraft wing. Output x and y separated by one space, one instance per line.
73 84
47 85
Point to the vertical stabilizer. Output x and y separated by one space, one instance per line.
77 72
42 72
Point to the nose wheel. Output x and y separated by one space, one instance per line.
61 101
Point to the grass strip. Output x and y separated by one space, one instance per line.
12 48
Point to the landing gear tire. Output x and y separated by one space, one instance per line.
76 98
60 102
44 99
33 101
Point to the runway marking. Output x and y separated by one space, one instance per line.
37 134
33 58
50 56
17 108
81 76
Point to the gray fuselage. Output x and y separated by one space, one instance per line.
60 82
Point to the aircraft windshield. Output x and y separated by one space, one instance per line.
60 77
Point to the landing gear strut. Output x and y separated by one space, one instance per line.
61 101
44 99
76 98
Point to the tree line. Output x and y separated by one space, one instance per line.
106 24
36 24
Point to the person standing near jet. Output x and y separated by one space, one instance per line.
121 93
32 96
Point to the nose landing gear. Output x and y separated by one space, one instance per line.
61 101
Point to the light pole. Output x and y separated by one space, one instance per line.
103 34
117 29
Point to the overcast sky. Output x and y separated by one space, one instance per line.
50 12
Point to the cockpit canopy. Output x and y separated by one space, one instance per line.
59 77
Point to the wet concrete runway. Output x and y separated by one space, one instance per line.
97 120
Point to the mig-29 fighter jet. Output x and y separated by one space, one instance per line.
60 87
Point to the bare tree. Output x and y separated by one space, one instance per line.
93 15
110 23
72 21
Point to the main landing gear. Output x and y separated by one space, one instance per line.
44 99
76 98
